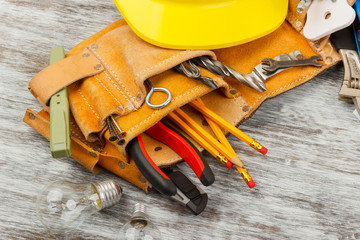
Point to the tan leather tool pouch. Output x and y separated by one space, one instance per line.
105 76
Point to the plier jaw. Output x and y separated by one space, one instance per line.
173 184
188 193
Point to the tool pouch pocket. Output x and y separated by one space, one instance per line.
105 76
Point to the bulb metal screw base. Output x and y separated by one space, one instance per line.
109 192
139 211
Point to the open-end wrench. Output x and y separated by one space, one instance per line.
272 65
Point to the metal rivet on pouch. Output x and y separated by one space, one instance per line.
233 91
138 98
298 24
121 165
130 108
328 60
121 142
85 55
97 148
32 116
317 45
142 179
94 47
93 154
245 108
205 123
120 108
97 67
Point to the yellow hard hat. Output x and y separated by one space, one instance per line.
202 24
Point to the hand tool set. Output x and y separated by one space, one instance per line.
127 99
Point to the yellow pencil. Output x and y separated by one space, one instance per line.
205 135
180 123
228 126
222 138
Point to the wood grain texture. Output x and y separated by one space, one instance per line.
307 186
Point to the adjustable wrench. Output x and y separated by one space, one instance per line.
272 65
344 42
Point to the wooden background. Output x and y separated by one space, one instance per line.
307 186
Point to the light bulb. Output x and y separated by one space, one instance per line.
62 206
139 227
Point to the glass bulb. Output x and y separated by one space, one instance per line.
139 227
62 206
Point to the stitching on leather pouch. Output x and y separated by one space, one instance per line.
75 126
117 78
97 116
263 96
159 64
116 86
147 119
82 139
107 90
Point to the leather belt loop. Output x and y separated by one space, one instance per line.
63 73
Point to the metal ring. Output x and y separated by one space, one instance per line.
158 89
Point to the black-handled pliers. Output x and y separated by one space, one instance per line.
164 133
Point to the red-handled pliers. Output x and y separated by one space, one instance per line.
163 132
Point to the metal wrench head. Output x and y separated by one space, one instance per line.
272 65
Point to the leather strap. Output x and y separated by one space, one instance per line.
77 67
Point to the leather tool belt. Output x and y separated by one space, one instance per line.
105 76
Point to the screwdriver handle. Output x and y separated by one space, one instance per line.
59 115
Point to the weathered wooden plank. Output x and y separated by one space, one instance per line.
307 186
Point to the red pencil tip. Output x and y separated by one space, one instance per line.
251 184
229 164
264 150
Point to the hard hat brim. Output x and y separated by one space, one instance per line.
211 24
